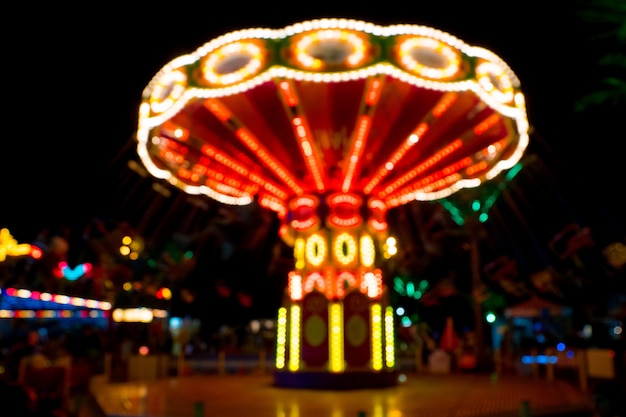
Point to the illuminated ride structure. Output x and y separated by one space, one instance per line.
331 123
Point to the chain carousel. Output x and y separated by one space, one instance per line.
331 123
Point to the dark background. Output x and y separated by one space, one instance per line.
73 78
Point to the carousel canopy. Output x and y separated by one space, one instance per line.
396 113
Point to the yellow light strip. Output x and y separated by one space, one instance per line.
390 354
377 337
367 251
336 338
294 338
299 253
281 338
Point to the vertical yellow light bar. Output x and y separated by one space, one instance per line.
294 338
281 338
377 345
390 344
336 337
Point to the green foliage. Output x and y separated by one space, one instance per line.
607 18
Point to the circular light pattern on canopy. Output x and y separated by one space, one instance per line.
429 58
233 63
330 48
167 90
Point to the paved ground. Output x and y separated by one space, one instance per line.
421 395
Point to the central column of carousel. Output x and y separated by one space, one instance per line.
335 325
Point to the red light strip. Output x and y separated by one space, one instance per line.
303 224
377 225
331 280
373 92
307 146
437 180
246 137
444 104
362 129
358 143
473 169
277 168
302 131
343 222
436 158
287 93
240 169
336 199
220 111
483 126
388 166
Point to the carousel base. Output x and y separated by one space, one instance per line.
336 381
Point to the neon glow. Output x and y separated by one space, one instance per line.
10 247
72 274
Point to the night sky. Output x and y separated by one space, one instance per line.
74 78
